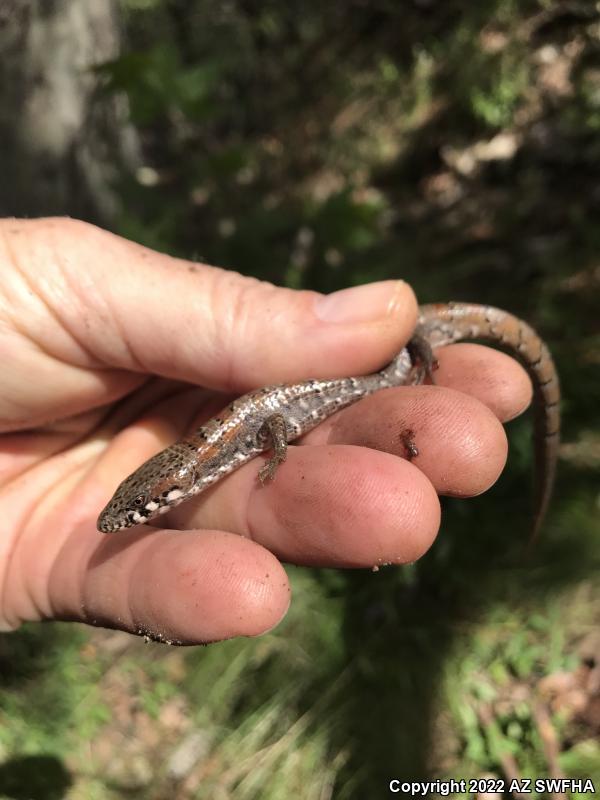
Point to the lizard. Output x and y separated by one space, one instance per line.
269 418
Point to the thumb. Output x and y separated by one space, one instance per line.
142 311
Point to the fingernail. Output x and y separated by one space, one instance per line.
360 303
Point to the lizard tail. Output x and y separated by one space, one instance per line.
443 324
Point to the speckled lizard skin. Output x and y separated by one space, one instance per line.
269 418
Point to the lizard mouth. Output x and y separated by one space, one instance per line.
108 524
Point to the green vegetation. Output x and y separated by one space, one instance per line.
320 145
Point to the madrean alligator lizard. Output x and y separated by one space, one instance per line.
269 418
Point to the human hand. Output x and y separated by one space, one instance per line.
104 346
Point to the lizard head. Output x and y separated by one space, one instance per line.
158 485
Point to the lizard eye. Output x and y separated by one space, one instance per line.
140 500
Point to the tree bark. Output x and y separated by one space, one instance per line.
62 143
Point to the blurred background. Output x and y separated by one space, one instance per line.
318 145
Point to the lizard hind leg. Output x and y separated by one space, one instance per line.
274 430
422 357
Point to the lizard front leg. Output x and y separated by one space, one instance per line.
273 429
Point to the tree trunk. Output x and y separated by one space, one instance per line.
62 144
